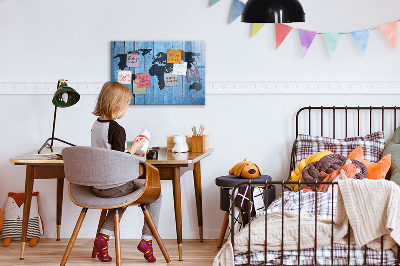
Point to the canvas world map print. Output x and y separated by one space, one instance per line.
160 72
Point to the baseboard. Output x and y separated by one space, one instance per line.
232 87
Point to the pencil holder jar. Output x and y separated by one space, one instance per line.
200 143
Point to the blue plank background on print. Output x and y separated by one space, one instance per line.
153 60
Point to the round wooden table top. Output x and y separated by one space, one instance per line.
1 219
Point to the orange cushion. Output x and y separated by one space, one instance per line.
375 170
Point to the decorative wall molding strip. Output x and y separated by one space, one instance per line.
47 88
304 87
233 87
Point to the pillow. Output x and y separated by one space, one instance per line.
296 174
329 164
372 144
393 148
375 170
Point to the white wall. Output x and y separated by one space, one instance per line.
43 41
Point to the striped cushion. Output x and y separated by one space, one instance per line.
372 145
13 228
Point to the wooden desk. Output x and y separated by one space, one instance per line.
169 165
40 167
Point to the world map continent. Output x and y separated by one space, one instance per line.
160 66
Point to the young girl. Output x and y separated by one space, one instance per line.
112 104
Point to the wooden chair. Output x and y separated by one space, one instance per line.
85 167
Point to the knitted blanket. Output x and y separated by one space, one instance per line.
274 235
371 207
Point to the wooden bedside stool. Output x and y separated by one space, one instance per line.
226 183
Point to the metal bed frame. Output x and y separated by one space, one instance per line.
283 184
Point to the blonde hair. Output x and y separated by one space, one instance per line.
112 99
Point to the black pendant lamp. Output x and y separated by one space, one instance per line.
273 11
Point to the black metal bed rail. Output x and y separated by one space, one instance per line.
346 109
264 185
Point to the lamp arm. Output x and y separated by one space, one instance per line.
54 126
54 118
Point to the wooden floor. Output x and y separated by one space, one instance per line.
50 252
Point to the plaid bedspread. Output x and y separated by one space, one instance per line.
307 202
324 257
321 205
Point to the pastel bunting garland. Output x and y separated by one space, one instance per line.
389 30
256 27
306 39
213 2
237 9
361 37
281 31
332 42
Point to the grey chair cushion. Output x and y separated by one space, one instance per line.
99 167
83 196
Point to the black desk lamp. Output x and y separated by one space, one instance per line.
65 96
273 11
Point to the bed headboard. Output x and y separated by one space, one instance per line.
344 118
344 121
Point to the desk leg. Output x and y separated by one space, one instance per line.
60 190
199 204
27 206
176 182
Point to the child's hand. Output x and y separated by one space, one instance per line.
137 144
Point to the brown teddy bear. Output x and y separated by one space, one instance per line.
245 169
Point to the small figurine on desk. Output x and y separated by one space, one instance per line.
180 144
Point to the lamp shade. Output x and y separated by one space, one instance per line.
65 96
273 11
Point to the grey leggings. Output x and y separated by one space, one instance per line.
154 208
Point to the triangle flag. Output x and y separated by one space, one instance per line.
237 9
306 39
256 27
332 41
361 37
213 2
389 30
281 31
